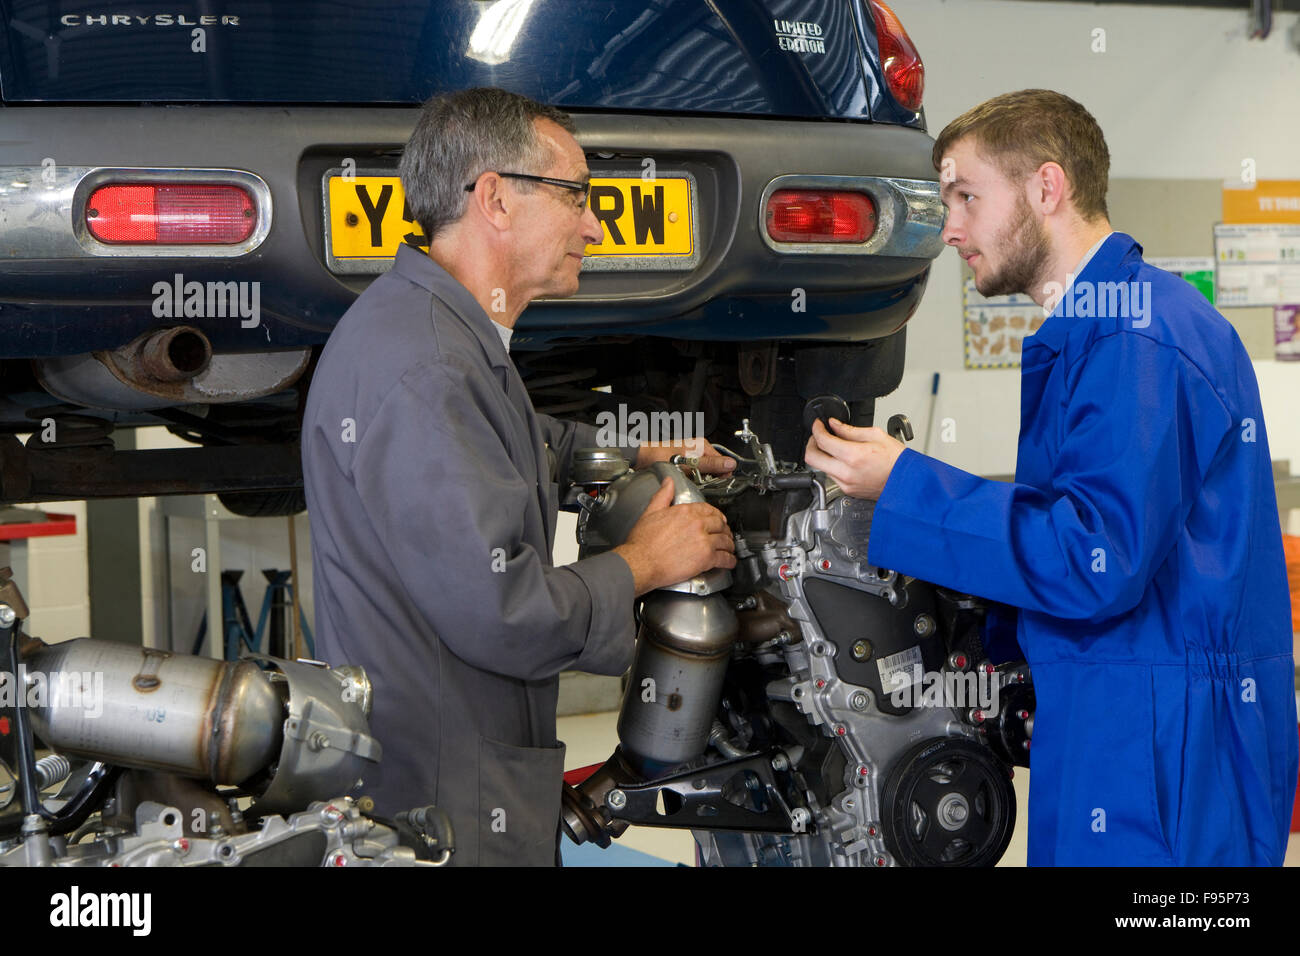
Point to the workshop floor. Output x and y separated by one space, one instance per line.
591 738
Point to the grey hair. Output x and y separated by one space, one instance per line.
461 135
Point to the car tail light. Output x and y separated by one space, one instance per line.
820 215
171 214
904 72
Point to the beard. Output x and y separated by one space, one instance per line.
1024 246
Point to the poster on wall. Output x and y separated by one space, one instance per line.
1286 333
1261 201
1198 270
1257 264
994 328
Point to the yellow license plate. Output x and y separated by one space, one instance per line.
648 224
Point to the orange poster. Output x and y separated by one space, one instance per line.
1266 201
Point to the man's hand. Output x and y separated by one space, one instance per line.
711 463
859 459
673 543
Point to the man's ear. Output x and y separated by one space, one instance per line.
491 201
1048 188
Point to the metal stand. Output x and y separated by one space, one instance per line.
210 510
280 599
236 629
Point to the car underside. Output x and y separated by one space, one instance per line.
180 239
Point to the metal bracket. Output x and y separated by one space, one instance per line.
748 793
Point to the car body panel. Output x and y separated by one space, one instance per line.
683 56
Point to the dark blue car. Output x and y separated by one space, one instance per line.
192 194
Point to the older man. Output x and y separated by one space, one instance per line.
431 496
1140 541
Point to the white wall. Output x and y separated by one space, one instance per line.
1180 93
52 574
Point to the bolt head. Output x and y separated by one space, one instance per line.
616 799
7 615
820 683
841 730
784 572
825 565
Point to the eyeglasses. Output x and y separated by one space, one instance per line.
582 189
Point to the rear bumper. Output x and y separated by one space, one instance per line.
58 296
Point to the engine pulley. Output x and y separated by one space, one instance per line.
948 803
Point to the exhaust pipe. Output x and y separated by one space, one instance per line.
172 355
171 366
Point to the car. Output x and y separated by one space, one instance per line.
190 200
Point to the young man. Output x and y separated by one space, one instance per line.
432 502
1140 541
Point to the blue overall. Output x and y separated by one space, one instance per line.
1139 553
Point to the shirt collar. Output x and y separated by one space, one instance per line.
1078 268
505 334
1106 261
416 266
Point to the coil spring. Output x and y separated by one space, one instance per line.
51 770
554 388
